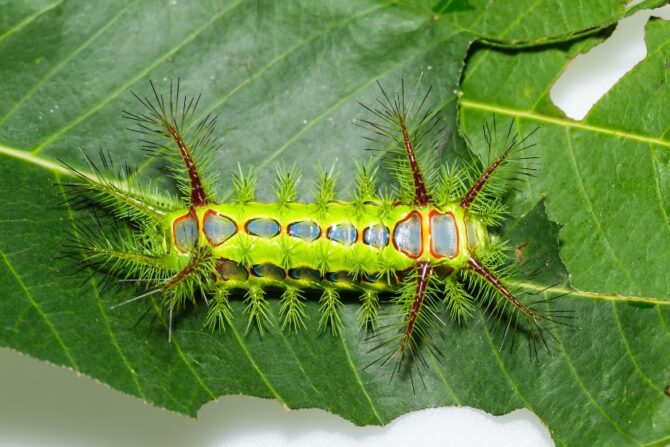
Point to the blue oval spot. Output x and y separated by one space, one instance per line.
218 229
186 232
376 235
263 227
269 271
342 276
305 273
344 234
306 230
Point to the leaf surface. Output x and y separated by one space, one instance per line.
605 180
285 81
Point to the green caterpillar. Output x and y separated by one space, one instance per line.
427 241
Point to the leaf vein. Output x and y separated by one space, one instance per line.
297 360
585 390
186 361
29 19
570 292
589 206
323 32
193 371
40 311
450 389
508 377
609 248
521 16
562 122
654 161
57 134
255 366
633 360
663 442
60 64
105 317
358 378
316 119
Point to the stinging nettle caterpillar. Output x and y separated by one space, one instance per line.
426 244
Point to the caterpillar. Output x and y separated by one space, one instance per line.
427 242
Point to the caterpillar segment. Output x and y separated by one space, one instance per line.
426 243
262 244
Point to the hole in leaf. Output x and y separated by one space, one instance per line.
591 75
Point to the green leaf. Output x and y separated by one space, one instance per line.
605 183
536 22
285 80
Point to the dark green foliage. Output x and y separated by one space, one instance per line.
603 384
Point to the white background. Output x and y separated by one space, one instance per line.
42 405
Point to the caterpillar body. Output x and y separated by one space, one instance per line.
426 243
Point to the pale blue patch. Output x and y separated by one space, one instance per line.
263 227
269 271
186 233
345 234
218 229
306 230
407 236
376 235
443 235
